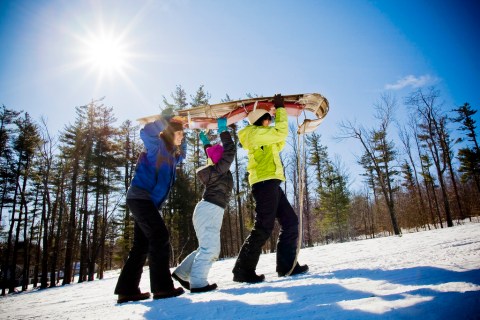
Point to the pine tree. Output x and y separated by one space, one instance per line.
131 147
46 172
469 156
73 139
8 183
318 160
25 145
370 184
334 203
105 183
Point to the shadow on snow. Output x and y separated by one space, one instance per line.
327 300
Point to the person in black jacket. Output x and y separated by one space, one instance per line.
192 273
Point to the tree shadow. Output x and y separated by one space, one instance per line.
427 292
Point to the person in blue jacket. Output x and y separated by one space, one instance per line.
154 177
192 273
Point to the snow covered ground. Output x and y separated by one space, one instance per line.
428 275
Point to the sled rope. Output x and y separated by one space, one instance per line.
301 185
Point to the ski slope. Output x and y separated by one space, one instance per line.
428 275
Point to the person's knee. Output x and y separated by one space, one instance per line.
290 223
261 233
208 254
214 257
264 225
290 230
292 226
140 254
160 242
288 236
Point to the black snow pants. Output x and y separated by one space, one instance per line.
151 239
270 204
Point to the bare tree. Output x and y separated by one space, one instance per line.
379 150
405 138
428 110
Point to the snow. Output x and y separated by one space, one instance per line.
430 274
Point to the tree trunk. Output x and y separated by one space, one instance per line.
237 193
72 226
9 267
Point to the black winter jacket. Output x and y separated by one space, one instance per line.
217 178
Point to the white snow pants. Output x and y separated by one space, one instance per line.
207 221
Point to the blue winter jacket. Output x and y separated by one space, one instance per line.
155 170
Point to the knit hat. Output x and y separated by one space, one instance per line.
215 152
255 115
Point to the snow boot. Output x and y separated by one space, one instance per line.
168 294
248 277
184 283
208 287
297 270
133 297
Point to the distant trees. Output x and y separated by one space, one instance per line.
62 204
434 136
419 187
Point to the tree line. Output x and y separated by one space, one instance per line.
64 218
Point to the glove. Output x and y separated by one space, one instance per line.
222 125
168 112
204 138
167 115
278 101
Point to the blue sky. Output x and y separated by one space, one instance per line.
349 51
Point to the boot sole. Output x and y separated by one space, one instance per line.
207 288
139 297
243 280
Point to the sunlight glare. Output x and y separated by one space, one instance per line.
106 54
380 305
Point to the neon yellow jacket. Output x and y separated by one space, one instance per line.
263 145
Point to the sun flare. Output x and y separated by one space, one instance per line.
106 54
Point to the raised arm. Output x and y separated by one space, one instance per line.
223 165
256 136
150 133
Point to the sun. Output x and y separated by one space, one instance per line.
103 54
106 53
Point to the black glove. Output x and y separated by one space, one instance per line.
167 114
278 101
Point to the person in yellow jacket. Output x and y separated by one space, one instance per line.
263 144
